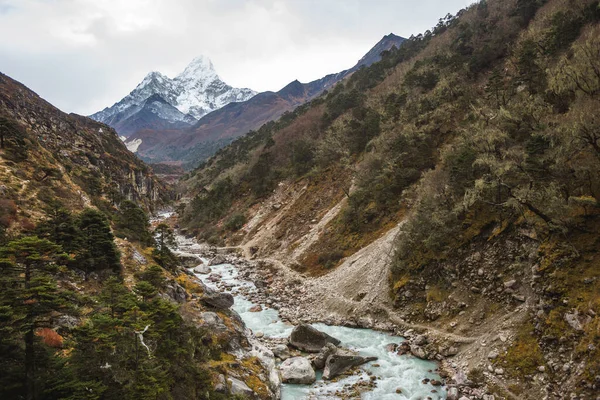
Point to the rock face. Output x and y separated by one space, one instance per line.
218 300
339 363
297 370
306 338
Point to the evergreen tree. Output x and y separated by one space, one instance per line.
60 228
132 223
28 297
165 240
97 242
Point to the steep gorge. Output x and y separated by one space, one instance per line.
450 188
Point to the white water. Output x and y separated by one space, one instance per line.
394 372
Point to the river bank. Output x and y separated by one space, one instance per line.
269 305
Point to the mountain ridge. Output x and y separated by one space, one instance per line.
194 92
191 145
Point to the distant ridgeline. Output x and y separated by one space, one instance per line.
189 118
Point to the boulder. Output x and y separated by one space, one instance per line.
203 269
339 363
237 387
297 370
281 351
306 338
452 394
218 300
418 352
420 340
188 260
176 292
217 260
391 347
321 358
221 385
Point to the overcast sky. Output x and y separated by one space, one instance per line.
84 55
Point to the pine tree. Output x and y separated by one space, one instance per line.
165 240
28 297
132 223
97 242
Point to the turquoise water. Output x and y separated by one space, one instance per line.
394 372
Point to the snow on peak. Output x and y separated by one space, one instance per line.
196 91
201 68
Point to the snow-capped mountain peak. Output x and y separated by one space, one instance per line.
195 92
200 69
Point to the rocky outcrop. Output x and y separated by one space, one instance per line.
239 388
218 300
306 338
297 370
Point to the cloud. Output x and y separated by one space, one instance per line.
83 55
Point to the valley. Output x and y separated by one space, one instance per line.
422 225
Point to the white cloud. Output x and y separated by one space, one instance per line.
83 55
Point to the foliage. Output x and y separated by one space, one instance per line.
132 223
165 241
98 250
235 222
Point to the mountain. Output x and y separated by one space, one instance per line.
159 102
69 156
89 302
450 192
213 131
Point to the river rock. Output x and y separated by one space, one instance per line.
281 351
321 358
217 260
306 338
391 347
339 363
218 300
203 269
418 352
256 308
452 394
420 340
297 370
188 260
237 387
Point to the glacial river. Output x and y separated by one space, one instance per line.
394 372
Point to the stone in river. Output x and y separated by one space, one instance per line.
321 358
256 308
339 363
297 370
202 269
306 338
281 351
218 259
